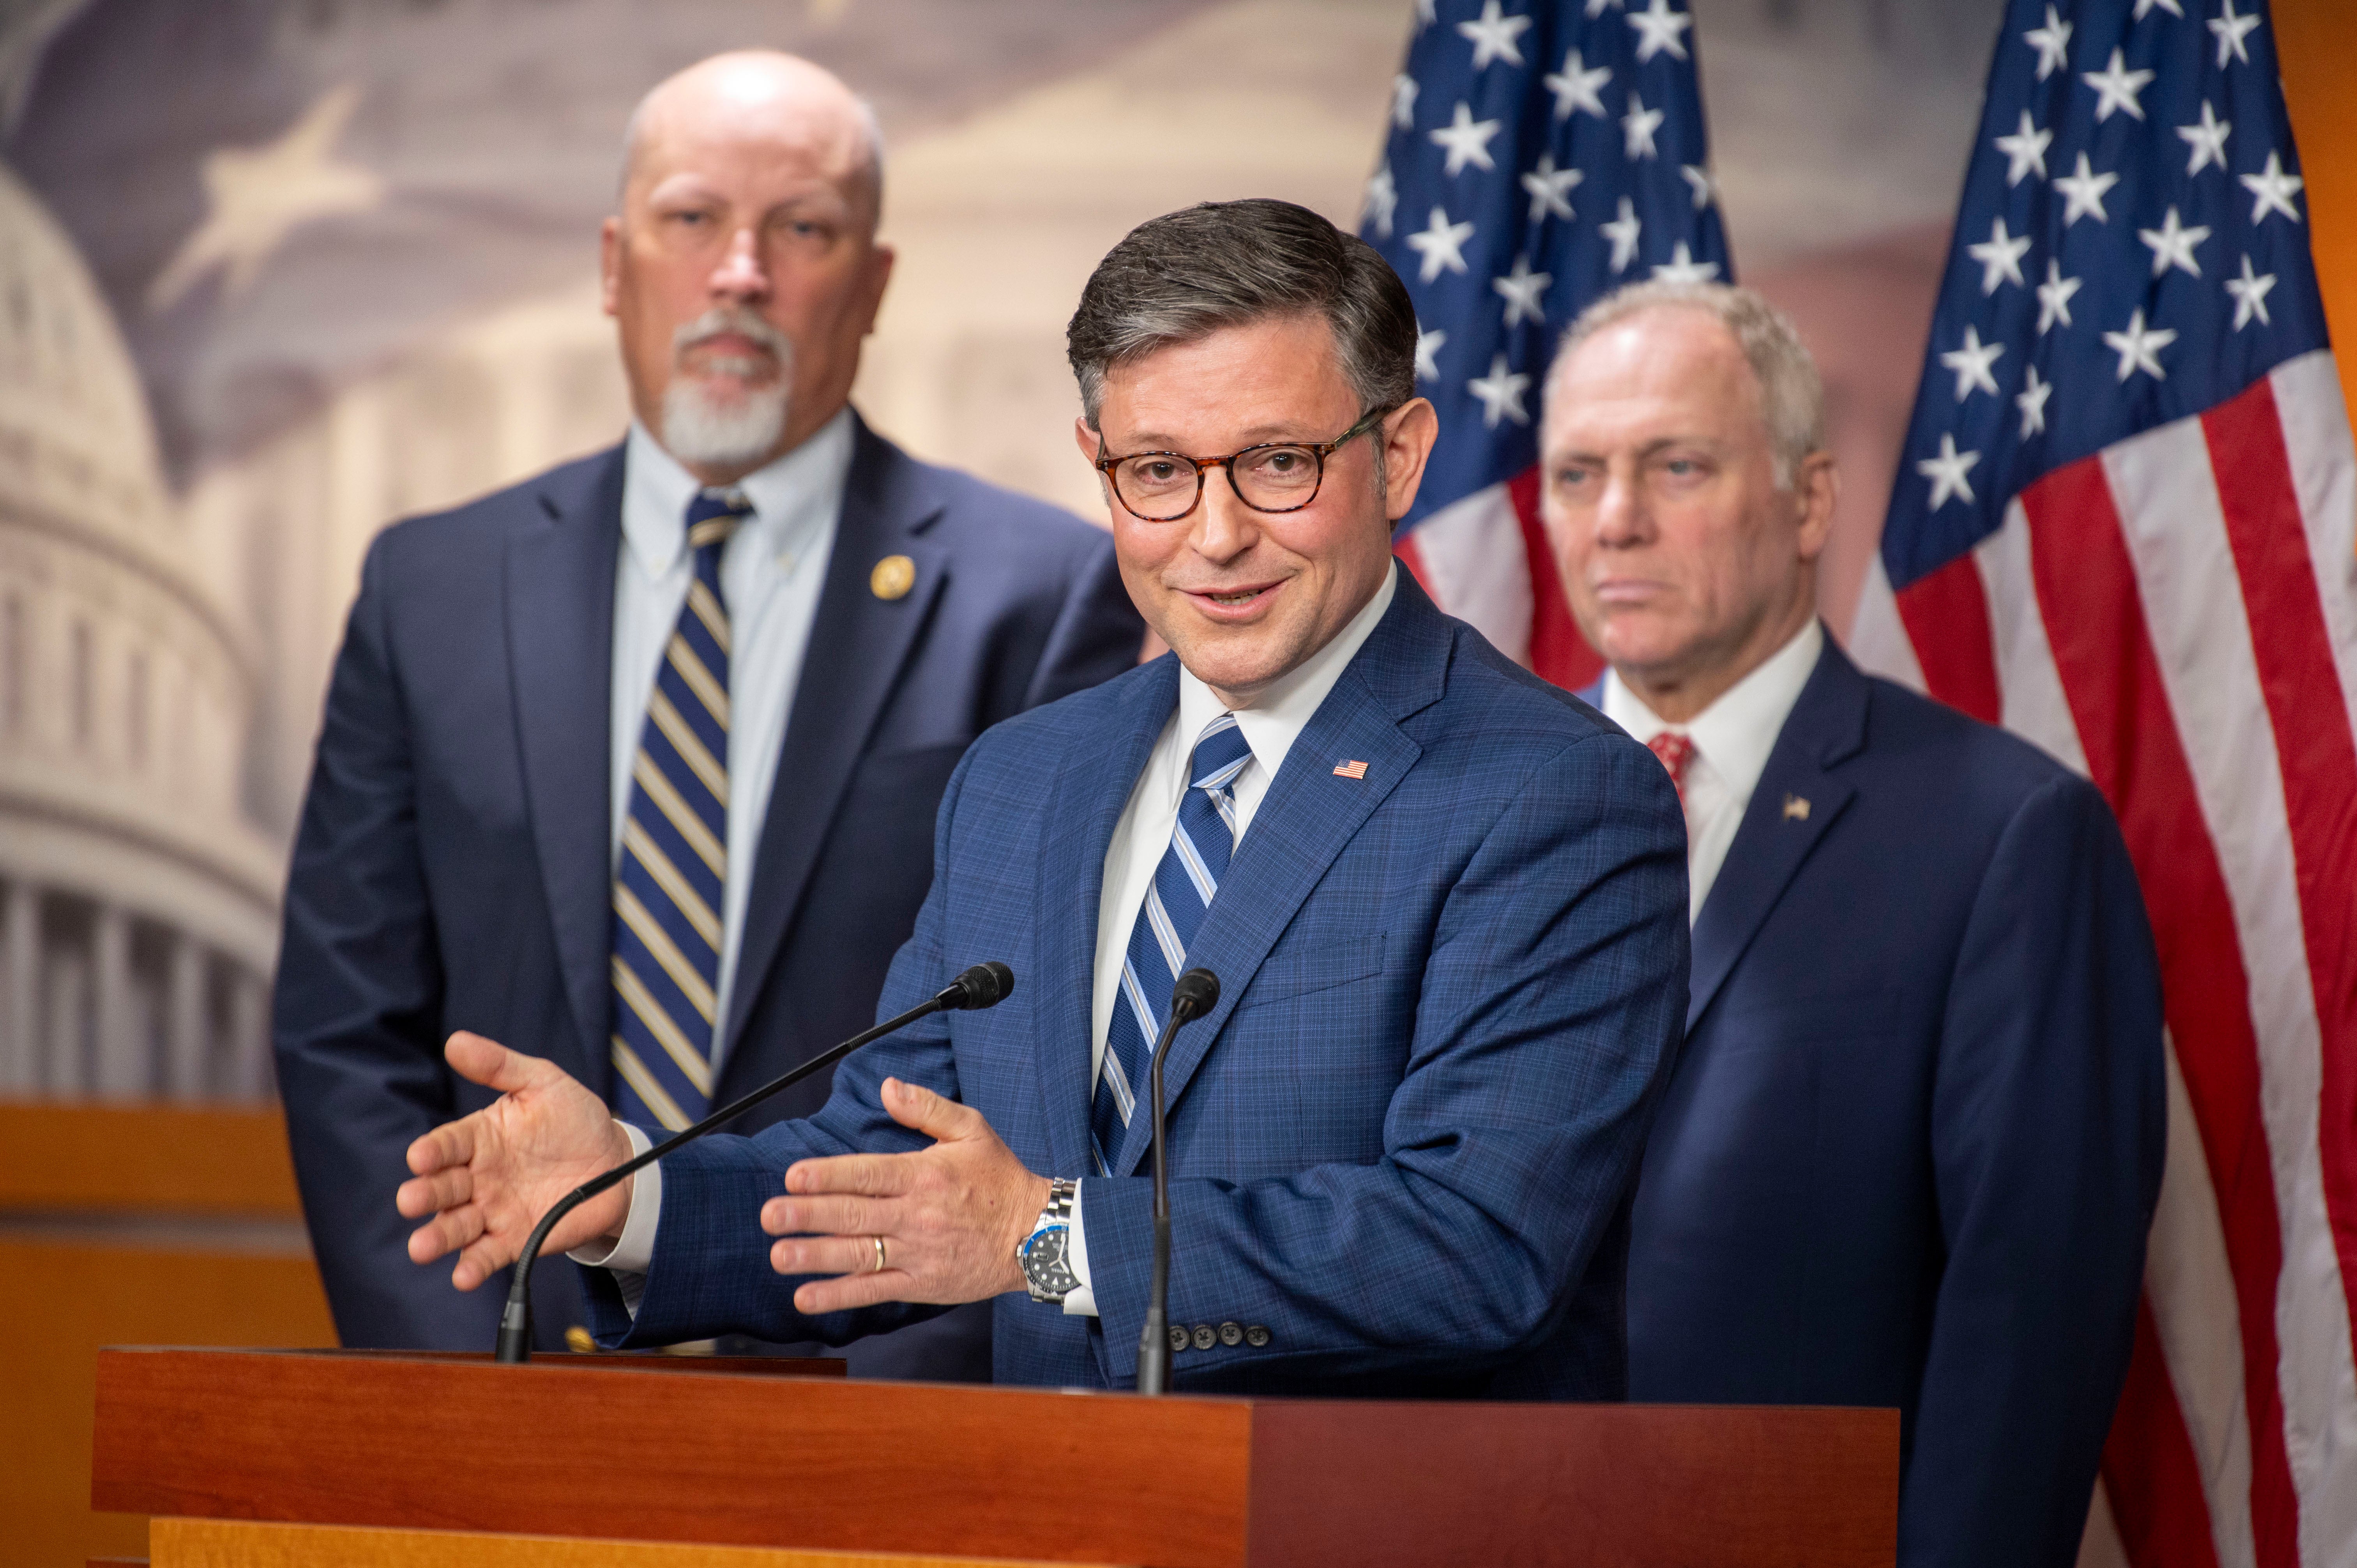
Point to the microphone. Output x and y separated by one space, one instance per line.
1196 993
983 985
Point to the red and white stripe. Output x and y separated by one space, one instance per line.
1485 560
2175 618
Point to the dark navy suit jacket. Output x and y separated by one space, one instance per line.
1914 1140
1403 1142
454 866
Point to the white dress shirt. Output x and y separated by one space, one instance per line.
771 572
1732 739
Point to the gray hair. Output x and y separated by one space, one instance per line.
1187 275
1792 397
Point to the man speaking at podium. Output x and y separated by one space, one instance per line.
1446 903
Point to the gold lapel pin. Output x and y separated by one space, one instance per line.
1796 808
893 577
1350 770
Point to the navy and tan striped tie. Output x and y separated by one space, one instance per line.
675 859
1201 843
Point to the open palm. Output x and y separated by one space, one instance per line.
482 1181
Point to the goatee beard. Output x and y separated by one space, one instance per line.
730 426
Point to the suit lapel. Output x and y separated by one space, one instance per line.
560 631
1794 805
1309 817
858 644
1084 802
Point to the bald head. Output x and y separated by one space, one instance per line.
764 94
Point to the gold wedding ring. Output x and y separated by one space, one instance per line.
879 1254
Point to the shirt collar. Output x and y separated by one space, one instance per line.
791 495
1736 733
1272 725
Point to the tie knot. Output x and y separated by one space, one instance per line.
1221 753
1676 752
713 514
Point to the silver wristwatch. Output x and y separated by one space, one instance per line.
1046 1253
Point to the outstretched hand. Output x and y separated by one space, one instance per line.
949 1217
482 1181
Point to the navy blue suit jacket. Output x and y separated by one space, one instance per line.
1914 1139
1405 1140
454 869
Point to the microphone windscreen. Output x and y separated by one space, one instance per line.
1198 990
983 985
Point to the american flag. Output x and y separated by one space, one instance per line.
2125 526
1538 155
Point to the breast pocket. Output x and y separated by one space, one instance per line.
1320 966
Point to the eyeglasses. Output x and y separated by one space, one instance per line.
1163 487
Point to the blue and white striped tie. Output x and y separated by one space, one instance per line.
674 862
1184 884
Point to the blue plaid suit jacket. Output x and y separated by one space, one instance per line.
1405 1142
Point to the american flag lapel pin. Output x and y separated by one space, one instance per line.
1349 769
1796 808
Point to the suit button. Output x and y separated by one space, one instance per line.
1257 1336
1179 1338
1205 1337
1231 1335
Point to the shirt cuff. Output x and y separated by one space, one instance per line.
1081 1300
634 1250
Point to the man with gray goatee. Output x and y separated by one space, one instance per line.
634 766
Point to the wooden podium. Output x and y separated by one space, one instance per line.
331 1459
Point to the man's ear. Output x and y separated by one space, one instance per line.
1087 440
1816 487
609 265
1406 435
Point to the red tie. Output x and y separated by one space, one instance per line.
1675 752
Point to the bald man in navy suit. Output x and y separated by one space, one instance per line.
636 763
1913 1142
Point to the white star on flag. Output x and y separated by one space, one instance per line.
2026 149
1596 8
2083 193
1657 30
1428 351
2052 43
258 196
1426 13
1575 87
1947 473
1971 362
1520 289
1550 189
1683 268
2231 30
1441 244
2138 348
2000 257
2273 191
1500 393
2172 244
1467 140
2054 298
1382 199
2116 88
1639 125
1705 187
2145 6
2250 292
1623 232
1493 36
2032 400
2207 139
1403 91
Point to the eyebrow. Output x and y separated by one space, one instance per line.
1257 436
1649 449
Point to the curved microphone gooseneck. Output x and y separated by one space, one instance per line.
983 985
1196 993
